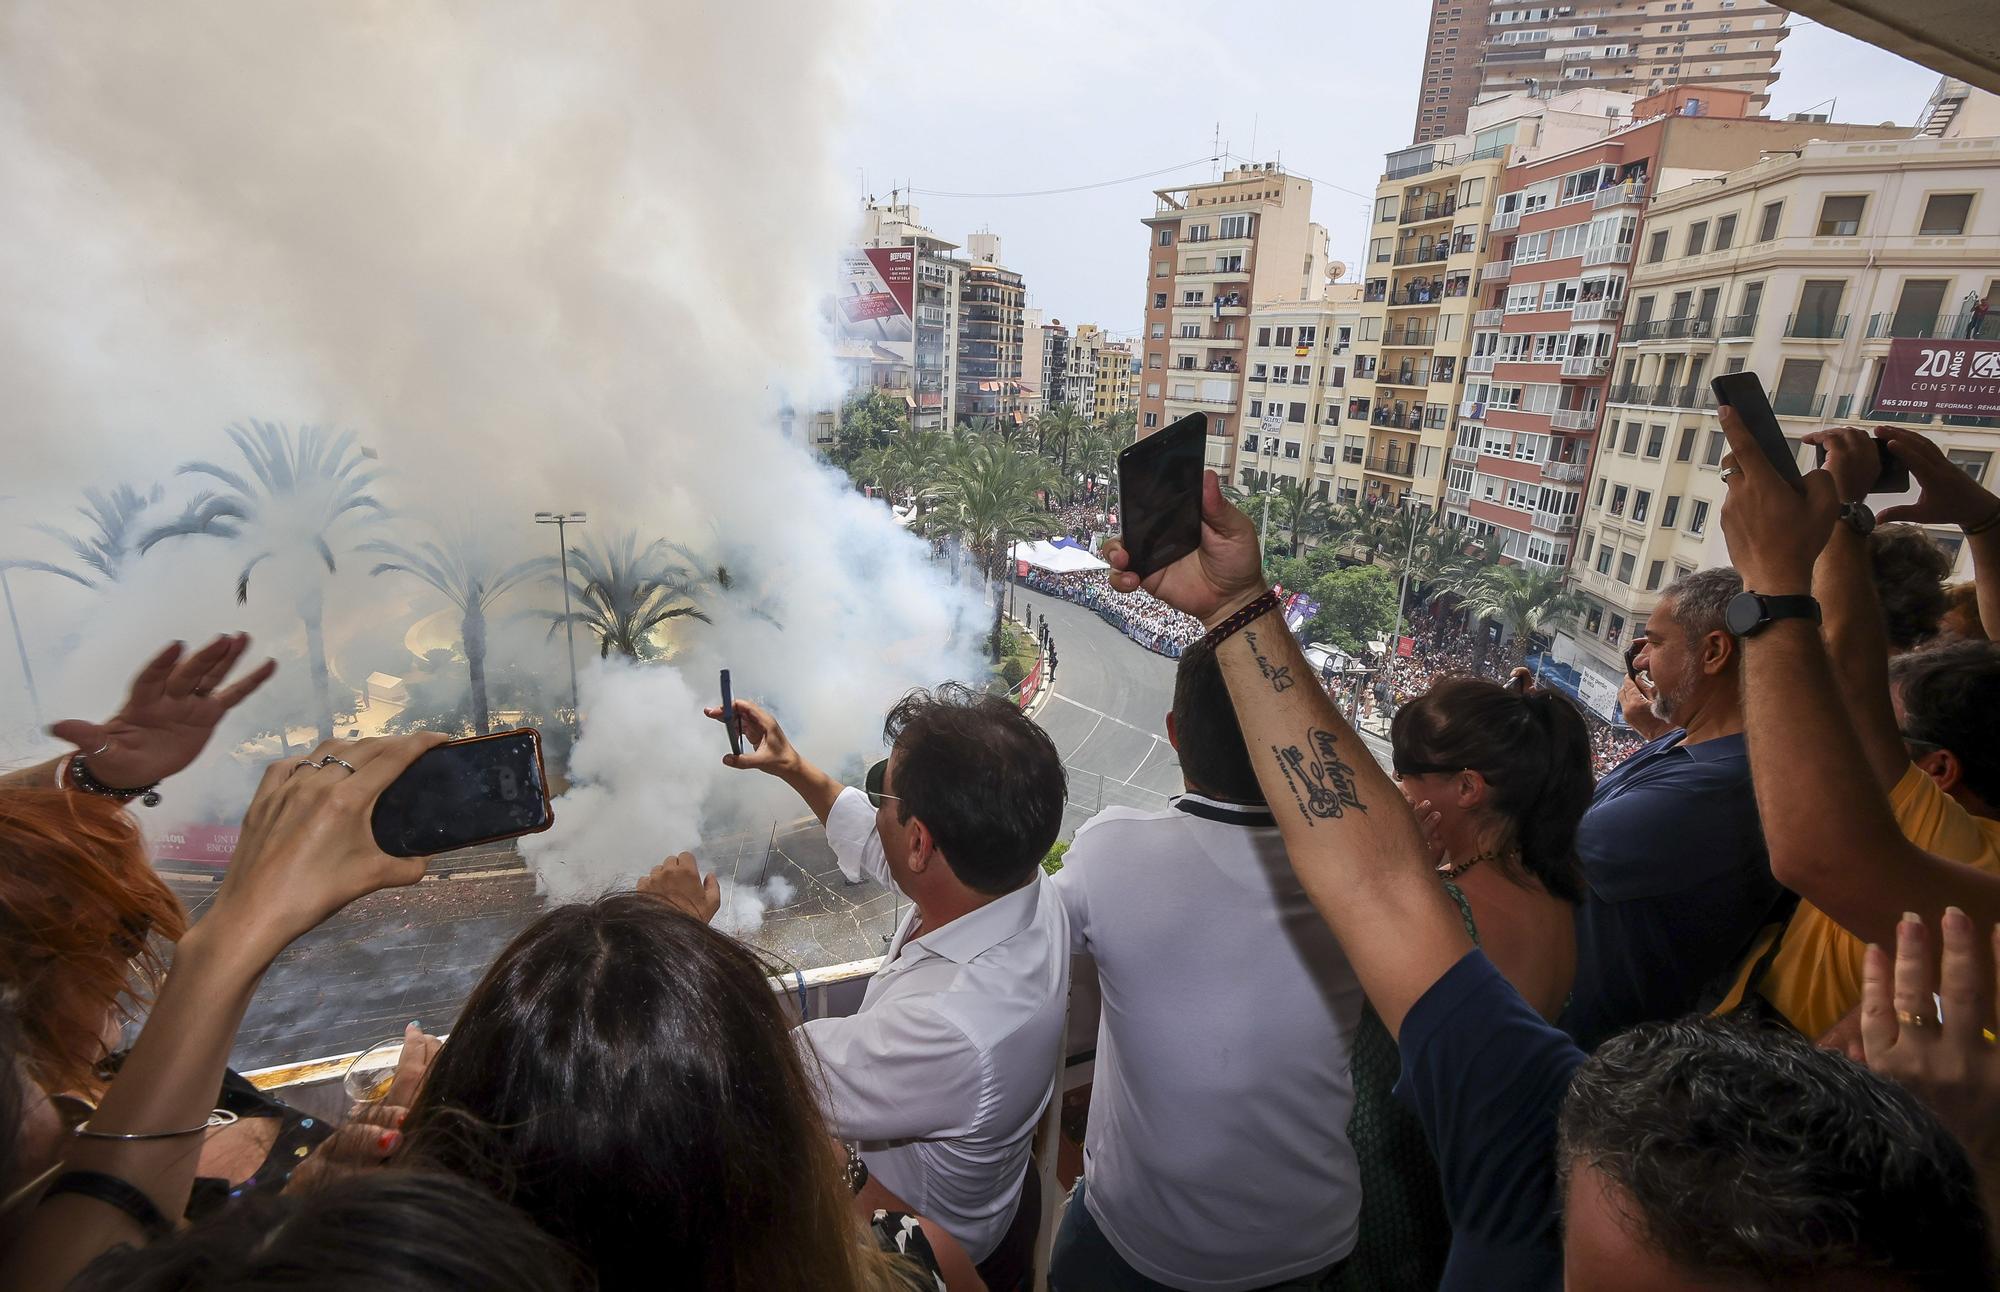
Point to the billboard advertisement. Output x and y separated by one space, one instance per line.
1940 377
877 300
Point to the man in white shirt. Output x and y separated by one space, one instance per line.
1217 1155
946 1068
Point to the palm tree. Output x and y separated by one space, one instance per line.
1097 450
1059 432
113 539
988 498
1523 599
303 497
626 594
1298 509
465 572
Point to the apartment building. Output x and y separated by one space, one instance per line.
1080 382
1565 231
1117 380
1295 397
933 386
1427 250
1033 355
1211 250
1640 49
991 299
1802 268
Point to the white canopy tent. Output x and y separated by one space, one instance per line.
1063 556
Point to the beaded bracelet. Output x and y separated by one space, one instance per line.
81 777
1242 619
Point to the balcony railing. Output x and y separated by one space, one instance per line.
1393 464
1669 395
1574 419
1816 327
1737 326
1507 220
1424 254
1457 497
1615 254
1496 271
1481 362
1418 212
1410 338
1584 365
1414 378
1599 310
1419 294
1554 524
1627 392
1564 472
1896 325
1464 453
1631 193
1488 318
1786 404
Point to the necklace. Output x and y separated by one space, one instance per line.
1452 870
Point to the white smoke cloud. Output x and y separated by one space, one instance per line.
536 257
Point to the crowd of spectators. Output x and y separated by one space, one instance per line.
1722 1016
1144 618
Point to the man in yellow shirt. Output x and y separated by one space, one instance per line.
1930 724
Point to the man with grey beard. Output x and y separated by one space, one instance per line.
1673 855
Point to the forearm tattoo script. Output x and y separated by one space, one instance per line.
1278 675
1321 781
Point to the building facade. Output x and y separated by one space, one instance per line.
991 300
1640 49
1211 250
1801 268
1294 397
1117 380
932 389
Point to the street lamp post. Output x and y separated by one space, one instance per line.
21 646
562 520
1403 589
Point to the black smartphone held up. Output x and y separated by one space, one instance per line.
465 792
1743 392
729 720
1159 487
1891 476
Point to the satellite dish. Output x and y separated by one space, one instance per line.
1336 270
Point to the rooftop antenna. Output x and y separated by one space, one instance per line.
1253 136
1215 154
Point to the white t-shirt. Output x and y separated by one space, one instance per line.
1217 1155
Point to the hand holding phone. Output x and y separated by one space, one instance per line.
730 722
1744 392
1891 476
465 792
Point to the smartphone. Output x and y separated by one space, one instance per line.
729 720
465 792
1891 476
1743 392
1159 484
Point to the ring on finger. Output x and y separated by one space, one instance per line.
1907 1019
306 763
331 761
1728 474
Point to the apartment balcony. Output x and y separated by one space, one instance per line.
1424 254
1408 421
1466 453
1616 254
1668 395
1738 326
1496 271
1393 464
1885 326
1407 378
1457 497
1472 408
1585 366
1574 419
1375 291
1420 213
1787 404
1505 220
1632 193
1816 327
1488 318
1479 363
1410 339
1564 472
1601 310
1550 523
1627 392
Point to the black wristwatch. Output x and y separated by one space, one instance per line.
1749 614
1859 517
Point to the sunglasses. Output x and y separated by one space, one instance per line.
873 784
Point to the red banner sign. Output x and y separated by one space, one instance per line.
1951 378
1406 647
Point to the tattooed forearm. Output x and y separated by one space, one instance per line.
1278 675
1321 781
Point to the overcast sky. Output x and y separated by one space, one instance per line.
1009 96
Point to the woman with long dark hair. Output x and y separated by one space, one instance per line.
625 1075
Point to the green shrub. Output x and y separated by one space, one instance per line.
1054 861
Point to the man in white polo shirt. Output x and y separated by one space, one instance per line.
945 1069
1217 1154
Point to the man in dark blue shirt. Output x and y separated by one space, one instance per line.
1673 856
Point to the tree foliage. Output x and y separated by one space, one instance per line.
1357 605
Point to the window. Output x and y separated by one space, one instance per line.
1385 210
1618 494
1155 361
1159 331
1972 462
1654 573
1684 452
1641 504
1767 229
1945 214
1670 511
1604 558
1626 560
1235 226
1263 336
1918 307
1698 516
1191 297
1283 338
1166 237
1593 617
1725 232
1656 247
1631 445
1308 335
1697 238
1256 408
1152 420
1615 629
1656 442
1159 300
1713 455
1602 485
1292 449
1296 413
1256 374
1840 217
1159 268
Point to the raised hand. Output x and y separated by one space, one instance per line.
678 881
175 702
1851 459
765 746
1775 533
1225 573
1948 495
1948 1063
307 847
